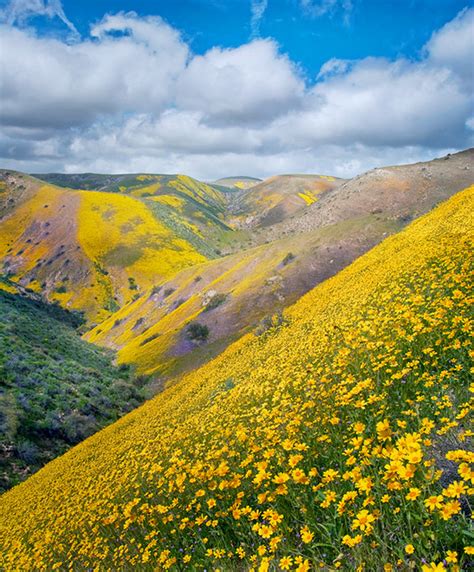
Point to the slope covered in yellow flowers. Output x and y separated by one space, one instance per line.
94 251
338 439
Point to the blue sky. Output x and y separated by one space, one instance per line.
388 28
216 87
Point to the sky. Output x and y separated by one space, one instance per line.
215 88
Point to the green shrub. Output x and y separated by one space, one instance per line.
215 301
197 332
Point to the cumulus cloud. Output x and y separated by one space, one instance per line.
453 46
133 97
251 83
48 83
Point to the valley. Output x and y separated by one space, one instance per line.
276 316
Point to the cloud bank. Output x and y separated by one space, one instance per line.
133 97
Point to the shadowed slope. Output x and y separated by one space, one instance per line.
55 389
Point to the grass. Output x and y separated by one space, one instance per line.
322 443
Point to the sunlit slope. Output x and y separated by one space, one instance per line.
140 185
402 193
89 251
278 198
338 437
238 182
315 243
194 210
230 296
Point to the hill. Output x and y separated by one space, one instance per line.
95 250
336 439
402 192
55 389
232 295
277 198
237 182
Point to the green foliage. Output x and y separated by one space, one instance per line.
55 389
269 323
288 258
215 301
197 332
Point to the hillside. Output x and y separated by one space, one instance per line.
279 197
95 250
55 389
401 192
334 440
232 295
237 182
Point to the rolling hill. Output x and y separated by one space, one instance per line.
231 295
335 439
95 250
237 182
277 198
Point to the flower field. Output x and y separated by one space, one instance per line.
339 439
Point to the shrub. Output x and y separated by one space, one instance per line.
150 339
269 322
197 332
288 258
215 301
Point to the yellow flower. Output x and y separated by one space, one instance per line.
433 567
286 562
303 567
455 489
265 531
469 550
449 509
413 494
281 478
363 520
383 429
306 535
451 556
351 540
434 502
299 476
409 549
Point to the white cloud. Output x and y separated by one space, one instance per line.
253 82
19 11
133 97
318 8
453 46
257 10
46 82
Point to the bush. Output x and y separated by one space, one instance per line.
197 332
215 301
269 322
288 258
